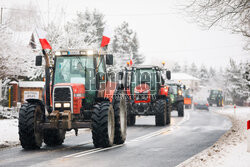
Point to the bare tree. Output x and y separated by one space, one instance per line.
229 14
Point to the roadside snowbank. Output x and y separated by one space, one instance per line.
8 132
231 149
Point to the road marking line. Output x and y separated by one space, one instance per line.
103 149
138 139
82 152
186 118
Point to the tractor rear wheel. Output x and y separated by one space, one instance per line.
29 135
180 109
120 111
54 137
103 124
160 112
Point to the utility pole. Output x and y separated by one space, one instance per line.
1 15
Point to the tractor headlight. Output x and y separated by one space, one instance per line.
66 105
90 52
58 105
179 92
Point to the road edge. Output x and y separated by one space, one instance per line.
198 155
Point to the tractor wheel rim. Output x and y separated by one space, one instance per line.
109 125
122 116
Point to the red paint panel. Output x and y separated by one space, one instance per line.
248 124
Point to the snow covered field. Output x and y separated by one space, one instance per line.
231 149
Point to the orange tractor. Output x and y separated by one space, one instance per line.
77 94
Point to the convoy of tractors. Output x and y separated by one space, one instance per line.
79 93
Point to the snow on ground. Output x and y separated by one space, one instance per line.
8 132
231 149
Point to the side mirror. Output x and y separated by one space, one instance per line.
168 74
39 60
184 87
109 59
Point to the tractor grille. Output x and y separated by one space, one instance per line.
62 94
141 96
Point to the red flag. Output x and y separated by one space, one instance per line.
131 62
105 37
41 35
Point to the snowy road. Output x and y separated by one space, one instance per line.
146 145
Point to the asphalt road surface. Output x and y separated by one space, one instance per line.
146 144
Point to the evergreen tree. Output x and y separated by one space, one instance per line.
236 84
177 67
203 74
193 70
85 31
125 45
212 72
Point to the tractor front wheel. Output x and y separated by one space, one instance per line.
29 134
131 119
160 112
180 109
103 124
120 111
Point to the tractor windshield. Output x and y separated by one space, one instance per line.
146 76
74 69
214 93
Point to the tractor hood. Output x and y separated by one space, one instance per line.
142 88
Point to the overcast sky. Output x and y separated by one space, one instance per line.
163 33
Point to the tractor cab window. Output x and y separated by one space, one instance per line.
146 76
74 69
174 89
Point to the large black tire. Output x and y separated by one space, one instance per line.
131 119
103 124
120 111
180 109
54 137
160 112
168 115
29 135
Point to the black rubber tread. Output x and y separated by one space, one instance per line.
26 127
180 109
131 119
100 125
119 136
168 115
160 112
53 137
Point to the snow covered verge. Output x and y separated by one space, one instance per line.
8 113
9 133
231 149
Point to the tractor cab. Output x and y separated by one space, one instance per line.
82 72
143 82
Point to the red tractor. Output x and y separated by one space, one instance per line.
146 94
79 95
